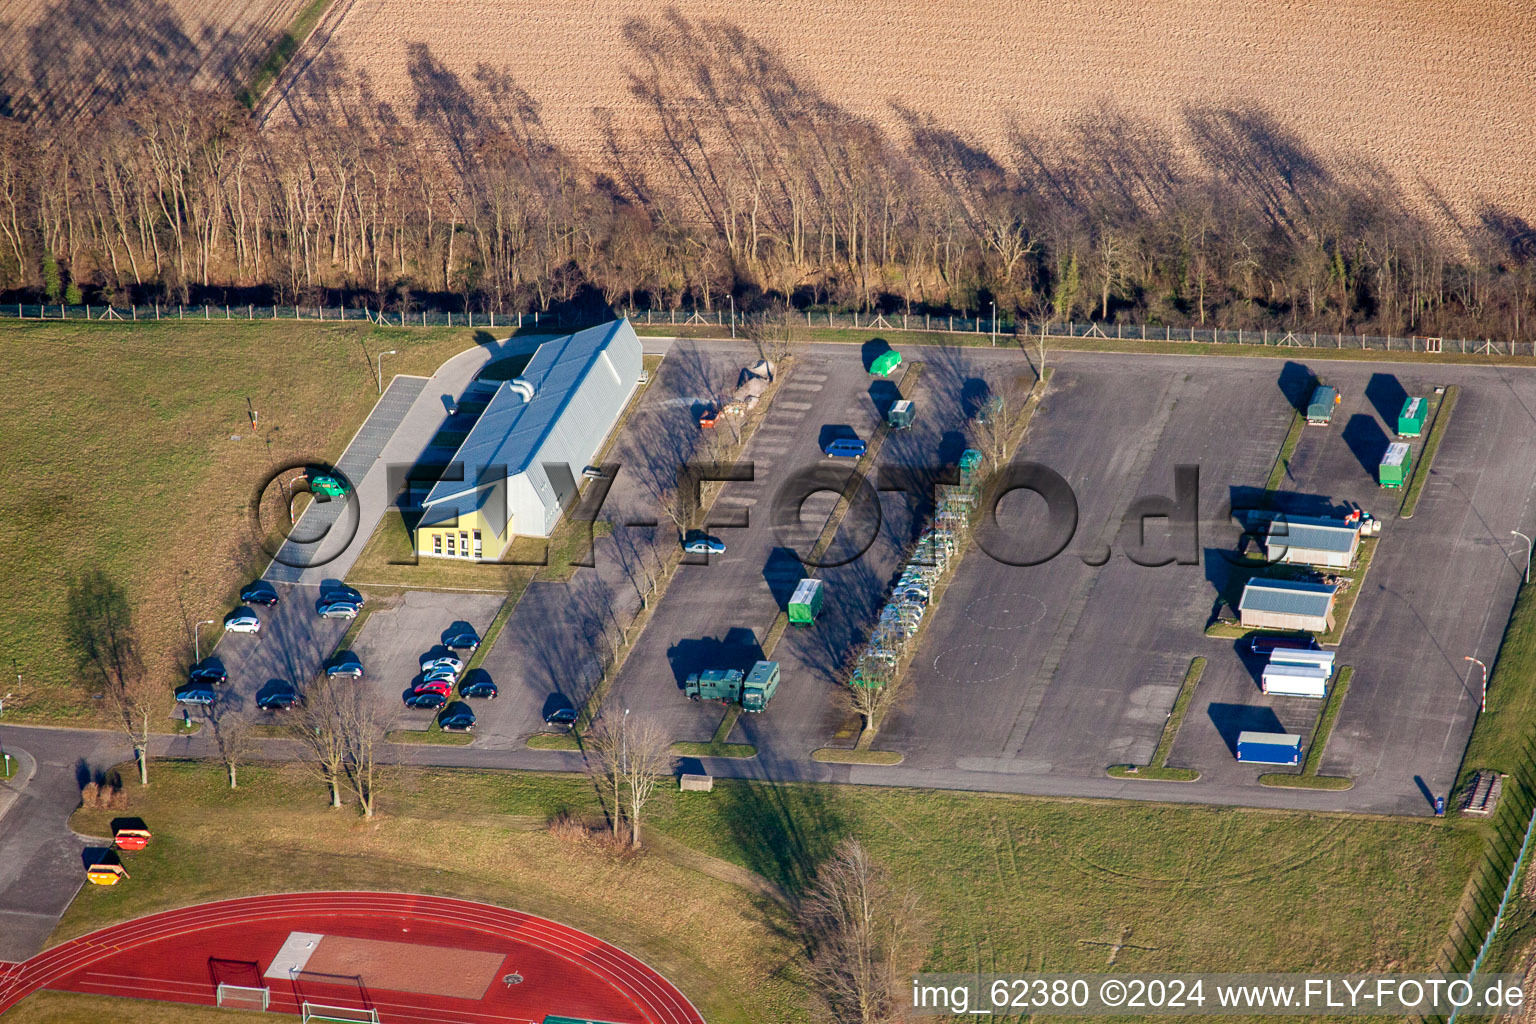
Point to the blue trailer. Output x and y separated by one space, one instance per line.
1268 748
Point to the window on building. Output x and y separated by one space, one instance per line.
464 543
437 543
451 552
477 544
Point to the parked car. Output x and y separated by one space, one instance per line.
593 473
462 640
457 717
442 686
195 693
338 610
260 592
347 663
441 674
478 684
209 670
428 700
277 697
696 543
561 716
846 448
441 661
328 484
242 620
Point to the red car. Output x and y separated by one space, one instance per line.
441 686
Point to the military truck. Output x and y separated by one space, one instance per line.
752 691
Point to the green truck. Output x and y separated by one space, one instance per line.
1410 422
1320 407
1396 465
805 602
752 691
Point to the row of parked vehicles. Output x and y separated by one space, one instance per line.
442 670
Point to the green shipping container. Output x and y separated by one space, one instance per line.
1410 422
805 602
1320 408
885 363
1396 465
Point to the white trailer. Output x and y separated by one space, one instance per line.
1295 681
1319 659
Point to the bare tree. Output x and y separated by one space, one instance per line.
996 423
363 729
317 726
862 930
874 694
232 736
99 626
629 758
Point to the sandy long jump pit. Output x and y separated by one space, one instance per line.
394 966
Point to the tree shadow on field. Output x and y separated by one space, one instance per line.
781 832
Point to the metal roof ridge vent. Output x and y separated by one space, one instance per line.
524 387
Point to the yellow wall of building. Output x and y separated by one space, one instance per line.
448 541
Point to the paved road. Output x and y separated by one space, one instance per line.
40 858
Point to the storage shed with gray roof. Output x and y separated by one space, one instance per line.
519 465
1287 604
1308 540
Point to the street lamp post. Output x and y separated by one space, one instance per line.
1527 540
1484 704
197 650
391 352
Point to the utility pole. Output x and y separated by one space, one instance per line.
1527 540
391 352
994 325
197 650
1484 704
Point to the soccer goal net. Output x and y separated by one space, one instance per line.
338 1014
243 997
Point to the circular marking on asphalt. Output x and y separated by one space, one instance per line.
975 663
1007 610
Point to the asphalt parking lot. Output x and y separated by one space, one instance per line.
293 644
405 628
718 615
1064 668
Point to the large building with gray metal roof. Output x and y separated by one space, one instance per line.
519 466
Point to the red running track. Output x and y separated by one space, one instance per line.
182 955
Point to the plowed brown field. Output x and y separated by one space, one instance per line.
61 57
1441 95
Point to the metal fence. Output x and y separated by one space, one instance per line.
999 328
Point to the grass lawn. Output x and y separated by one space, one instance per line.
1003 880
129 448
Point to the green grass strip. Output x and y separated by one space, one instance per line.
1157 770
1427 455
431 737
1501 737
727 723
842 755
553 741
281 52
1287 449
686 748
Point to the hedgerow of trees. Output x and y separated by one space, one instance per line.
741 181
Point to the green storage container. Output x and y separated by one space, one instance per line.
1396 465
1320 408
1410 422
805 602
885 363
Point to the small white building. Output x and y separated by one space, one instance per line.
1309 540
